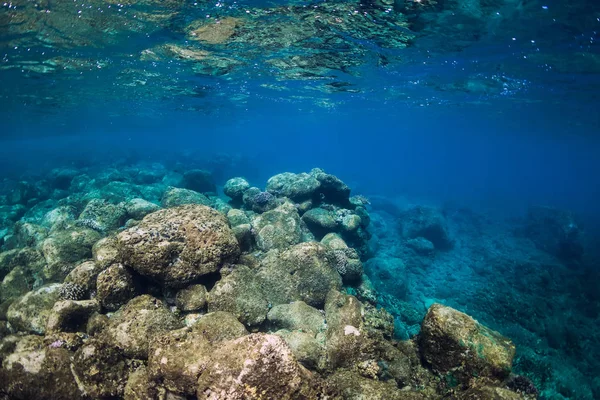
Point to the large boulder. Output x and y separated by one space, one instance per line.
240 293
278 228
100 369
297 316
174 197
235 188
256 366
303 272
35 372
297 187
199 181
179 245
426 222
30 312
453 343
134 326
556 232
102 216
333 190
177 358
64 249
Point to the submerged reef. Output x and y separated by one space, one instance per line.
138 289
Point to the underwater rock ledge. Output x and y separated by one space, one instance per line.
126 289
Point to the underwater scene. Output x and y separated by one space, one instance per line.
299 199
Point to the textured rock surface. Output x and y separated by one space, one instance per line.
257 366
240 293
297 316
454 343
278 228
191 298
177 245
303 272
30 312
114 287
133 328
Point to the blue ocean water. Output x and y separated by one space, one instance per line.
483 110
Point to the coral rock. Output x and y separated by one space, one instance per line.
178 245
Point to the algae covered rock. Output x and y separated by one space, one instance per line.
320 221
297 316
30 312
28 258
333 190
100 369
139 386
352 385
240 293
71 315
133 327
191 298
303 272
64 249
114 287
219 326
256 366
105 251
308 350
297 187
15 283
278 228
174 197
139 208
235 188
454 343
178 245
103 216
84 276
177 358
34 372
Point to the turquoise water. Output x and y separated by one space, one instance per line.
480 109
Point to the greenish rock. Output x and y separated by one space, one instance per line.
64 249
114 287
235 188
320 221
278 228
366 292
100 369
30 259
59 217
70 315
5 330
303 272
199 180
243 234
29 235
30 312
347 342
256 366
353 385
32 372
308 350
96 323
453 343
297 316
332 188
178 245
237 217
139 386
334 241
347 263
490 392
139 208
102 216
134 326
16 283
191 298
177 358
84 275
240 293
174 197
105 252
350 223
297 187
220 205
220 326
